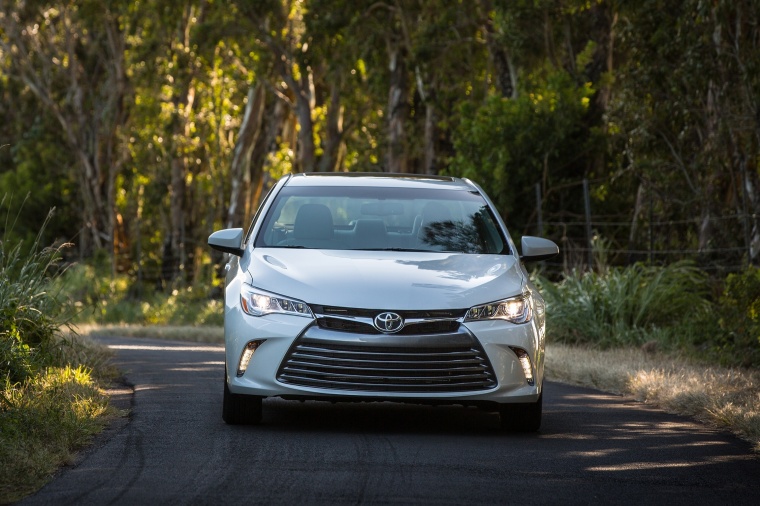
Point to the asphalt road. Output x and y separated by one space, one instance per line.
593 448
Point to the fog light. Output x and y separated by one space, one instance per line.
524 359
245 357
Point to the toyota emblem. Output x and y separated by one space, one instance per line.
389 322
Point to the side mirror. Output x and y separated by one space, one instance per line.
535 249
227 241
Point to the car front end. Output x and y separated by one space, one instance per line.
438 310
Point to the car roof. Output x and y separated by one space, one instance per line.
385 179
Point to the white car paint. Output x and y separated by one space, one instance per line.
379 281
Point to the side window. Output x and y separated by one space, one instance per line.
256 216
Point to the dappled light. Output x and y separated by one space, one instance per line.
626 133
722 396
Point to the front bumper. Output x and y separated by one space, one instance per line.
495 338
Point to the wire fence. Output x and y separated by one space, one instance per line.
587 239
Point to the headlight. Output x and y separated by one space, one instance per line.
515 309
257 302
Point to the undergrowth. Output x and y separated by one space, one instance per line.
666 307
50 399
103 299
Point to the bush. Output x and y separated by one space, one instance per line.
30 315
104 300
739 310
626 306
50 403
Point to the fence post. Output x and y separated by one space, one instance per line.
587 205
539 205
651 225
138 227
745 215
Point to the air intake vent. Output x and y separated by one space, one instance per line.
422 367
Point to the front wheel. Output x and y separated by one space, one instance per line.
240 409
521 417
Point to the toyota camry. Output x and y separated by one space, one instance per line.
382 287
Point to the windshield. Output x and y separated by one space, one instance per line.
370 218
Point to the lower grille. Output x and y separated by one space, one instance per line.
444 366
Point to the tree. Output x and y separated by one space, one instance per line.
686 106
71 57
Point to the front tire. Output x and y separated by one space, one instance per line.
240 409
521 417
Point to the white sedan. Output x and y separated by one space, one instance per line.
382 287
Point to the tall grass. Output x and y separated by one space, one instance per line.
30 315
50 402
626 306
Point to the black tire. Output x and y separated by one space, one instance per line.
240 409
521 417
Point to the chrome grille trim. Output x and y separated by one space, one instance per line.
365 325
449 362
361 321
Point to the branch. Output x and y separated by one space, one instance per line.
680 163
279 94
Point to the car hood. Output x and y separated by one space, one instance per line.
385 280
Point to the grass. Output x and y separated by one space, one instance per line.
51 398
625 307
658 335
195 334
105 300
46 419
724 397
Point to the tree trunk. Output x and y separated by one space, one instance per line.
398 110
603 33
304 103
241 160
604 21
173 262
709 183
331 158
431 136
504 69
86 97
638 206
175 254
261 178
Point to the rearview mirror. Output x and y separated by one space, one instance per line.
382 208
535 249
228 241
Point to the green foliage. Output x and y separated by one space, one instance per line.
626 306
41 422
34 171
739 317
508 144
101 299
683 114
49 401
30 314
670 305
